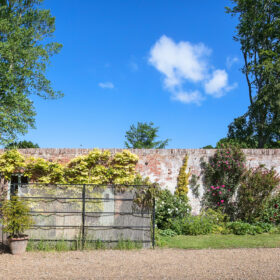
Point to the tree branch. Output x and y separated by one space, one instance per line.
247 78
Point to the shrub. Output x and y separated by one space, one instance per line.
196 225
271 213
183 179
15 217
169 207
241 228
266 227
254 192
223 173
209 221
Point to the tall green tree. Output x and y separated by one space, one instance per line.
258 33
143 136
25 51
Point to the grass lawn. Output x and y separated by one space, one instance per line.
216 241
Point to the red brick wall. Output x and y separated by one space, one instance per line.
163 166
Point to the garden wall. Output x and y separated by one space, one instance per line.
163 166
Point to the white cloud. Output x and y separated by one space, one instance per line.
108 85
218 85
179 61
188 97
231 60
184 63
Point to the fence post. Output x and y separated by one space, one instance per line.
154 221
83 215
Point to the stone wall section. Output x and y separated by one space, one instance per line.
163 166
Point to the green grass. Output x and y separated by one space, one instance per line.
216 241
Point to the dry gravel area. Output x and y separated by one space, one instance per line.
144 264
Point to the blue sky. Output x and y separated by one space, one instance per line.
123 61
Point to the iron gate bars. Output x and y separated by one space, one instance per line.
118 212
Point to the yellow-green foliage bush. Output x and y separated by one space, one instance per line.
11 162
42 171
98 167
183 179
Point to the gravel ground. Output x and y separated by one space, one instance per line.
144 264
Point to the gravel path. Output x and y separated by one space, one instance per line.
144 264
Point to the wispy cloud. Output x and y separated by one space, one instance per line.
133 66
107 85
188 97
185 64
231 60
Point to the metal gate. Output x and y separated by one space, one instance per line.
87 213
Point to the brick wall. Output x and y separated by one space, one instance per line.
163 166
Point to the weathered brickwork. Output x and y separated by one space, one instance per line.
163 166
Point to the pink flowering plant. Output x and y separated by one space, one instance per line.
218 195
222 176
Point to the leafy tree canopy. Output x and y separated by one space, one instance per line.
25 51
143 136
258 33
22 145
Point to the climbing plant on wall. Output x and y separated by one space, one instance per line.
11 162
97 167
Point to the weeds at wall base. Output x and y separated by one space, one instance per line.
63 245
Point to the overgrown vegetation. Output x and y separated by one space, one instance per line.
254 192
97 167
222 177
236 200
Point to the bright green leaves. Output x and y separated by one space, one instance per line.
24 56
143 137
258 32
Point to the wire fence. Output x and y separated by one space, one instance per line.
87 213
